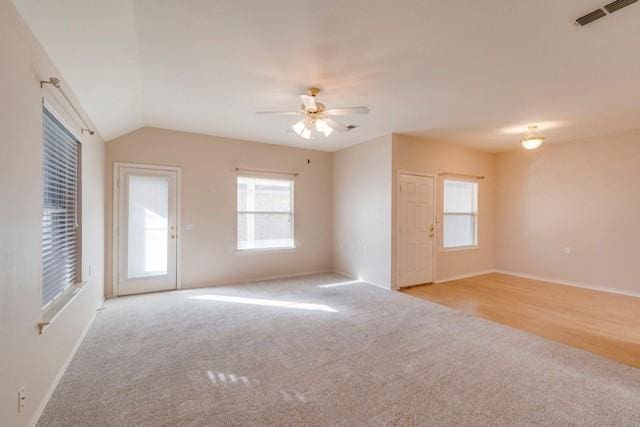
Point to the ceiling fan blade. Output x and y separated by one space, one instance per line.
338 127
309 102
343 111
279 113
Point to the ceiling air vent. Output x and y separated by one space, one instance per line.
614 6
590 17
618 4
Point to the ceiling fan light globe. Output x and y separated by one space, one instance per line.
532 143
298 127
306 134
323 126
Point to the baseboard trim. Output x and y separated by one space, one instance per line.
251 280
464 276
345 274
352 277
568 283
63 369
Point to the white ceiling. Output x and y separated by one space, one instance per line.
470 72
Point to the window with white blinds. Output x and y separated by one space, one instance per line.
265 213
61 209
460 214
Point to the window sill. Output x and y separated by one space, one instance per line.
50 314
265 251
460 249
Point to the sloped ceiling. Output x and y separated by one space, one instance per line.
475 73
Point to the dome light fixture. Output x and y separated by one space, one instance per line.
532 140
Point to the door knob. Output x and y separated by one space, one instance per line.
173 236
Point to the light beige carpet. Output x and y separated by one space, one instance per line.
313 351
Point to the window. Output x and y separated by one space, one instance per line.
147 226
61 209
265 213
460 214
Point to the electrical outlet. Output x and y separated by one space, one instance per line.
22 399
567 251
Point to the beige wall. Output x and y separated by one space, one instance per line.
362 211
583 195
425 156
27 358
208 203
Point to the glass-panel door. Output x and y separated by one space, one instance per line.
147 234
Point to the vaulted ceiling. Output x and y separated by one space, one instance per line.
471 72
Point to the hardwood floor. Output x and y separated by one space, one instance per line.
600 322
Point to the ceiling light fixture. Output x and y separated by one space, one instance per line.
322 126
531 141
312 127
315 119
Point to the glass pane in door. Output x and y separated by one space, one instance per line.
148 226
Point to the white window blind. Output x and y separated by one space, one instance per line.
148 226
265 213
460 214
61 213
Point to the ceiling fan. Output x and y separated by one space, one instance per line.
315 119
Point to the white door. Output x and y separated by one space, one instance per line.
147 230
416 229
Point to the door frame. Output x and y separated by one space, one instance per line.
396 208
115 220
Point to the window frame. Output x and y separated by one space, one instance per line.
276 177
474 215
58 302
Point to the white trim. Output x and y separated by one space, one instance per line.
45 400
278 250
569 283
264 175
375 285
75 130
345 274
475 215
464 276
542 279
396 230
51 312
366 282
115 218
253 279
